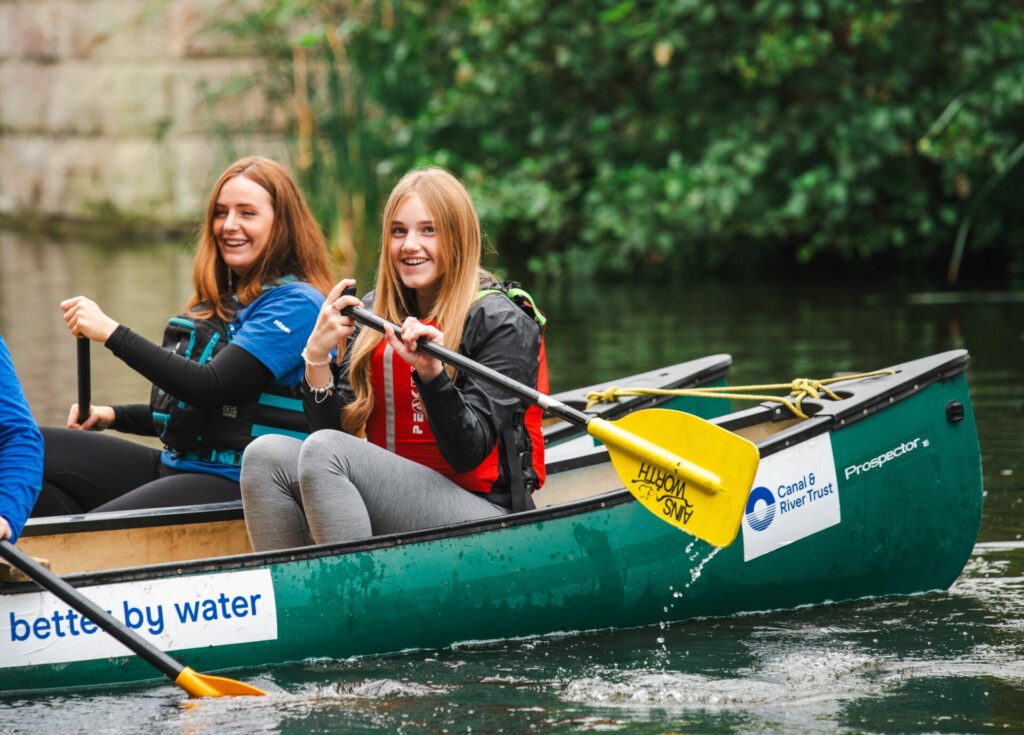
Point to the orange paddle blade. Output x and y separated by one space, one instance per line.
204 685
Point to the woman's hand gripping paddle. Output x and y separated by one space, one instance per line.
196 684
687 471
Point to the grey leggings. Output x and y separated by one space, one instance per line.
334 487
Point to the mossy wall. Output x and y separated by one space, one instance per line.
122 111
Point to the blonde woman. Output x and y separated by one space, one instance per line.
439 447
228 369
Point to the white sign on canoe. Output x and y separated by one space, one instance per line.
174 614
796 494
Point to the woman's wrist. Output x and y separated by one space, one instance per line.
108 331
320 381
103 336
312 359
426 374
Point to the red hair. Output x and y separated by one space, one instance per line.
296 246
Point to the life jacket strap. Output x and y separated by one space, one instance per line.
217 456
520 298
521 491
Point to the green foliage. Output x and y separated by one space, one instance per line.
614 136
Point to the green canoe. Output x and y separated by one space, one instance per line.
876 494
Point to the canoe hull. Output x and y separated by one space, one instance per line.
906 524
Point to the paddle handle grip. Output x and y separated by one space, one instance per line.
61 589
84 379
471 367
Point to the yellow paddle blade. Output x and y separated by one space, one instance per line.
204 685
685 470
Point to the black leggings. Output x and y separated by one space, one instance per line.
85 471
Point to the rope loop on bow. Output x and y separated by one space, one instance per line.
799 389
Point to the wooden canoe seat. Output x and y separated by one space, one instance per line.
10 573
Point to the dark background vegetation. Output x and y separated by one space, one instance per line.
657 138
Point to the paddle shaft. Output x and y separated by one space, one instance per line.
552 405
58 587
84 379
603 430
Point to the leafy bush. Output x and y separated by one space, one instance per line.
617 136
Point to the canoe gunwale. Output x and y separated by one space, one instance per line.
148 518
867 396
873 394
691 374
262 559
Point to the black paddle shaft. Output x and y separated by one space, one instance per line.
58 587
471 367
84 379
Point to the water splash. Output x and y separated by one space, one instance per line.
386 689
797 679
696 571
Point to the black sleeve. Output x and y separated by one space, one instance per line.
466 416
134 418
231 375
324 412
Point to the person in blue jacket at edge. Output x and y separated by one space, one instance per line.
228 368
21 452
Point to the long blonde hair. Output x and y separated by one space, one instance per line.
458 232
296 246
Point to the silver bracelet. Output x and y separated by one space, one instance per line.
320 394
314 363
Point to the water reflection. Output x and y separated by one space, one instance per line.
773 331
139 286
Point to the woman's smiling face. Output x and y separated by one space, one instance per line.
243 223
414 247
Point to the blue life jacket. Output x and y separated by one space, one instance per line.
219 435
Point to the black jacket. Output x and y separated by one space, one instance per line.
467 416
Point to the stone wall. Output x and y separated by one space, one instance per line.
114 109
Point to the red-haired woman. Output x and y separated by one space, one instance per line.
228 368
442 446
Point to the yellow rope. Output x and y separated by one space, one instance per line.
799 389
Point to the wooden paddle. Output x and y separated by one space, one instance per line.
196 684
687 471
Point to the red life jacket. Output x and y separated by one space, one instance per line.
399 423
534 414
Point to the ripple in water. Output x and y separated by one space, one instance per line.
792 679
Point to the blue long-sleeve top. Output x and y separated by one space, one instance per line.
21 449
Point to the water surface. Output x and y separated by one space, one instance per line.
949 662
